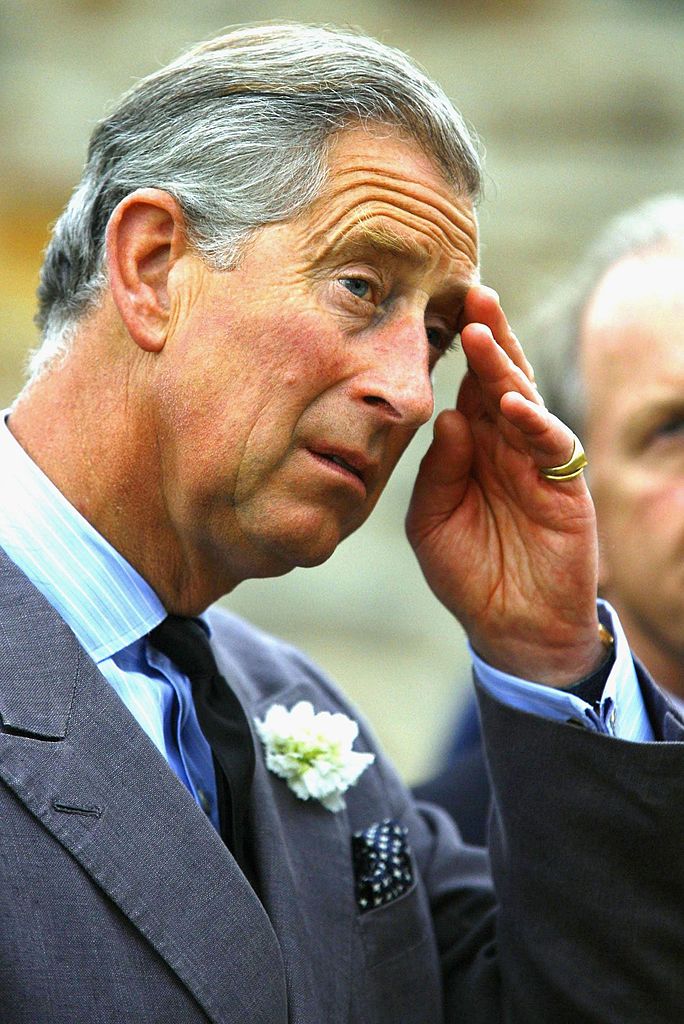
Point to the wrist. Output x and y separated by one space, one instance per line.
549 660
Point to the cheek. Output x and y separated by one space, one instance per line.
660 506
660 526
647 520
307 348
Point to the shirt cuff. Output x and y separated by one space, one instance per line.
620 711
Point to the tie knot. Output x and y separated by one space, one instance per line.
186 643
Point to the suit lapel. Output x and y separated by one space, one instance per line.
77 759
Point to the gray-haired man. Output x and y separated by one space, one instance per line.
273 243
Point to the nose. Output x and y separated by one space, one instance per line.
395 378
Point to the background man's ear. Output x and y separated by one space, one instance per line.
145 236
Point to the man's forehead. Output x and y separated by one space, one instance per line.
384 190
633 330
639 288
371 218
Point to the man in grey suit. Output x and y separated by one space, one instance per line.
273 243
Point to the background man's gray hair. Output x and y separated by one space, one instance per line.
554 331
237 130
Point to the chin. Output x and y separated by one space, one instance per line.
301 538
308 553
281 560
280 554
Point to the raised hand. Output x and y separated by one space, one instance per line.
511 554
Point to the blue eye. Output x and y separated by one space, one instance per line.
357 286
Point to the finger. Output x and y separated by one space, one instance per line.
550 442
494 370
482 305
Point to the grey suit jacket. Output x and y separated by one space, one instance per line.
120 903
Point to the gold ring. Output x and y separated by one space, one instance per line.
570 469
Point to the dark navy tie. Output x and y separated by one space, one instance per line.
223 723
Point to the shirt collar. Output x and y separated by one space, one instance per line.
100 596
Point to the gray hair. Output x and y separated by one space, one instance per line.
238 130
555 329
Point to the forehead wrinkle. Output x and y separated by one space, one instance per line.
447 201
388 177
383 186
445 236
443 231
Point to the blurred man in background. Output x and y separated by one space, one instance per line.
610 363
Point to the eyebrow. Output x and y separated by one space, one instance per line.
381 241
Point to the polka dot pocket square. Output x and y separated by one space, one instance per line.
382 864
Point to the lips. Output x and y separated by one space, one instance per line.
345 461
339 461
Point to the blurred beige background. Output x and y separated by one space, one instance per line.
581 108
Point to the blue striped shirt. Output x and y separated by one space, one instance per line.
109 607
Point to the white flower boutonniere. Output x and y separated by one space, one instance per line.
313 752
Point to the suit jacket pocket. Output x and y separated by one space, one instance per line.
395 928
402 978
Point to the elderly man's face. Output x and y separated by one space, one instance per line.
633 365
291 385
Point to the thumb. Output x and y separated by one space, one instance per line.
443 475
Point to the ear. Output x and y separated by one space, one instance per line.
145 236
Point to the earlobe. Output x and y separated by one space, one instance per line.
145 237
